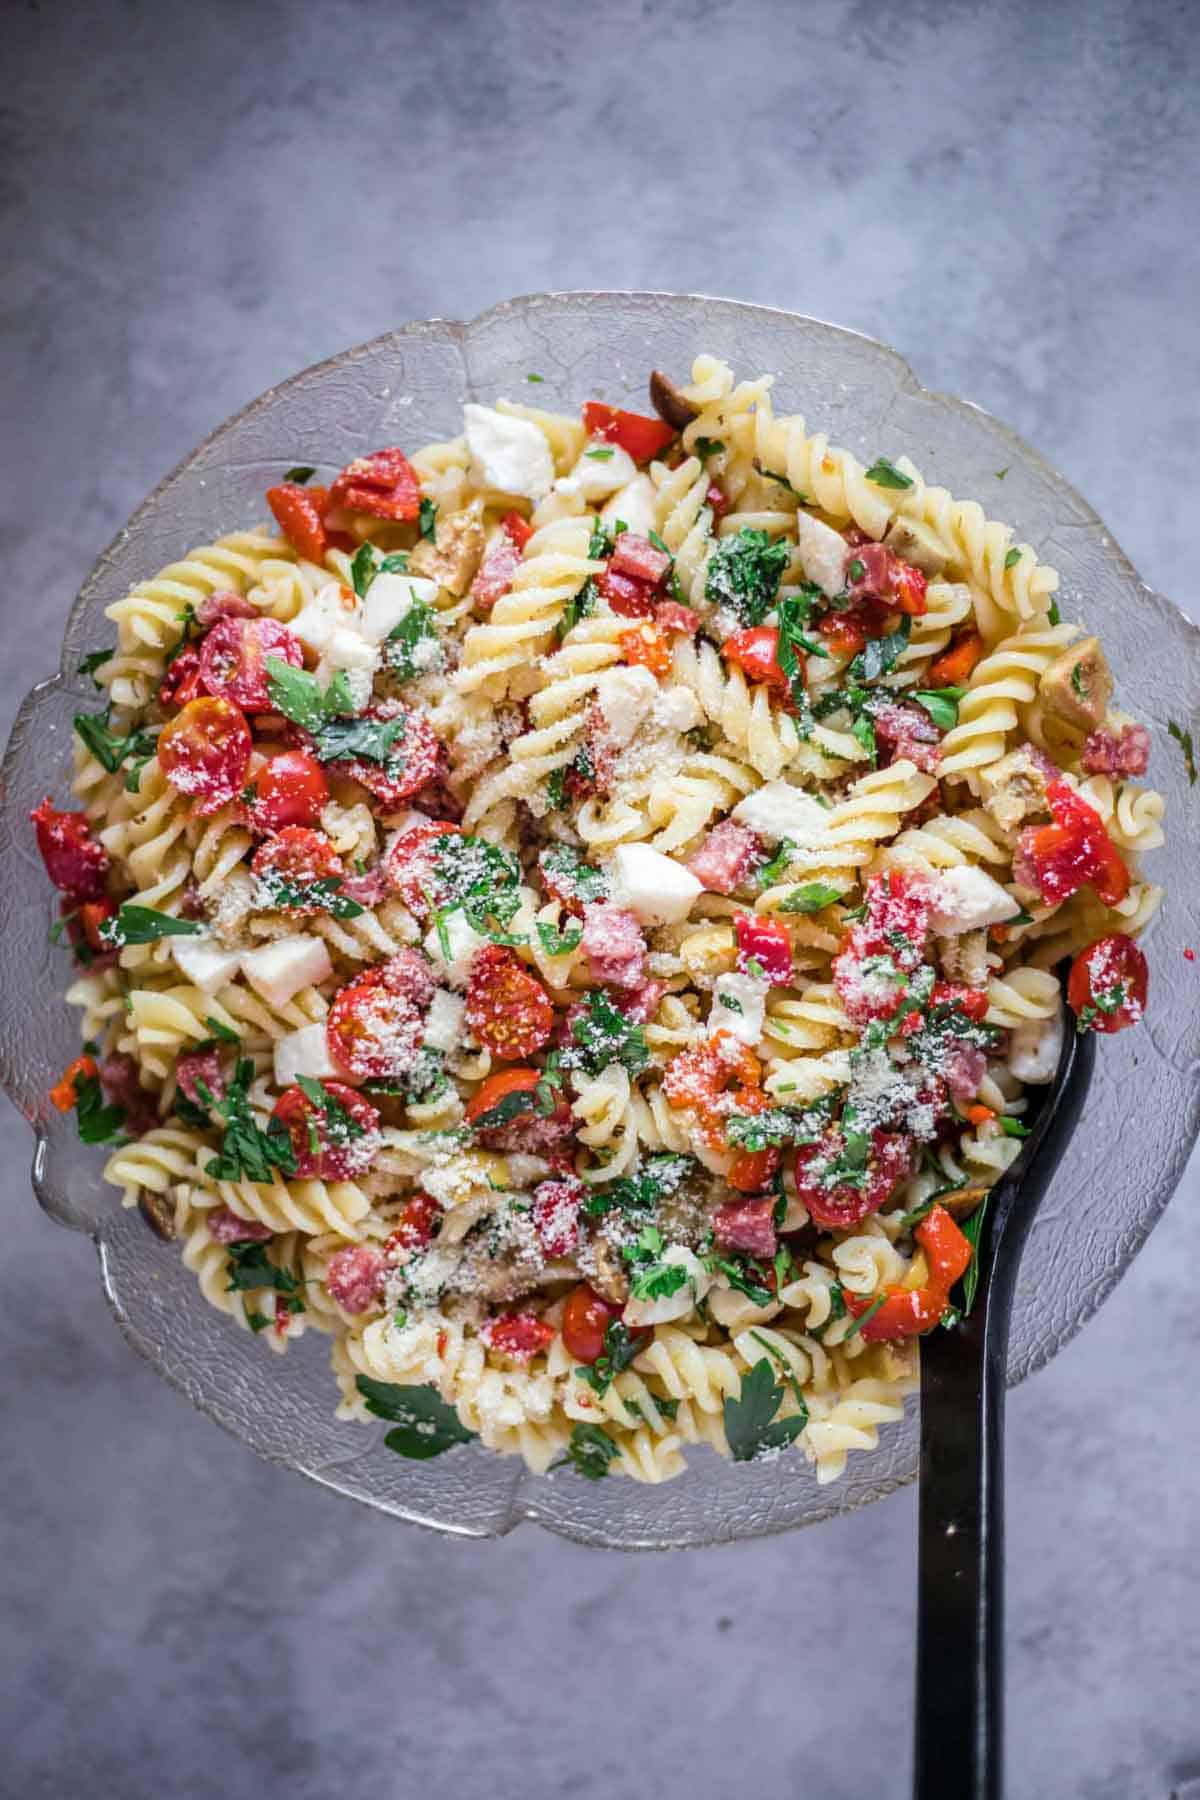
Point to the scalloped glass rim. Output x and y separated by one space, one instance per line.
408 385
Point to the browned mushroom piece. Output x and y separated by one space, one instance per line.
1078 685
453 556
669 402
918 544
1015 787
601 1263
962 1202
158 1210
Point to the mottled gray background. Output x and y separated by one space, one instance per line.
200 199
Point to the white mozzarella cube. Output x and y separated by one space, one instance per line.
777 810
655 888
823 553
638 1313
303 1052
637 504
739 1005
626 697
462 941
389 598
1034 1049
508 453
602 469
327 612
346 648
281 968
968 899
206 965
446 1024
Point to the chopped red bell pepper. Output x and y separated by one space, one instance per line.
642 437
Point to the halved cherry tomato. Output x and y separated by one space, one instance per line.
517 1335
411 866
327 1148
954 667
518 528
642 437
1108 984
586 1317
290 789
204 752
750 1170
508 1009
1073 852
288 865
233 659
764 942
383 484
74 861
298 513
181 679
414 760
372 1031
646 648
63 1094
755 652
909 585
414 1227
841 1205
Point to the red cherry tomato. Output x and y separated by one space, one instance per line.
414 1227
288 865
233 659
1073 852
414 760
642 437
718 500
750 1170
290 789
508 1009
411 866
518 1335
628 598
972 1001
181 681
518 528
297 513
765 942
586 1317
841 1205
1108 984
75 862
332 1142
756 653
383 484
371 1031
204 752
909 586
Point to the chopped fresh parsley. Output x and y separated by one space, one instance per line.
248 1153
704 447
580 606
1013 1127
569 874
556 791
95 661
364 567
744 1274
301 473
600 455
1012 558
559 943
775 1125
600 545
774 475
403 653
659 1280
744 573
111 749
372 740
880 655
772 871
971 1229
427 515
1053 614
250 1268
535 378
620 1348
810 898
424 1425
300 697
1184 740
941 704
885 474
751 1427
638 1195
143 925
95 1121
603 1036
862 1318
590 1452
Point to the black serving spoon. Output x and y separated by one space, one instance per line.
960 1581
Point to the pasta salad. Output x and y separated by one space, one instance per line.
572 913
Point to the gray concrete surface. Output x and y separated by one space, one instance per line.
200 199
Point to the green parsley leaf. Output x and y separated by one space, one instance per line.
810 898
704 447
373 740
1001 473
111 749
223 1033
301 473
95 1121
1053 614
1012 558
862 1318
401 651
743 1274
580 606
556 943
774 475
535 378
620 1348
885 474
427 513
603 1036
600 544
248 1153
509 1106
744 573
569 875
95 661
751 1428
299 696
599 455
425 1425
772 871
971 1229
556 791
880 655
652 537
1013 1127
638 1195
941 704
658 1281
364 568
590 1452
250 1268
324 894
1184 740
143 925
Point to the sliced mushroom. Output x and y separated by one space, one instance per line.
918 544
669 402
158 1210
962 1202
452 558
602 1265
1078 685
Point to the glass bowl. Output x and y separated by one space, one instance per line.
1140 1117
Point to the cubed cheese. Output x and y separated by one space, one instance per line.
777 810
445 1026
462 941
326 612
508 453
281 968
346 648
655 888
739 1005
389 597
602 470
968 899
1034 1049
822 553
637 504
303 1052
206 965
626 697
639 1313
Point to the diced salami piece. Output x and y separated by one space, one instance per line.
725 858
669 615
200 1067
965 1068
555 1215
119 1080
368 889
615 946
355 1277
1123 753
409 975
636 556
641 1003
908 731
747 1225
629 598
223 604
496 571
225 1227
